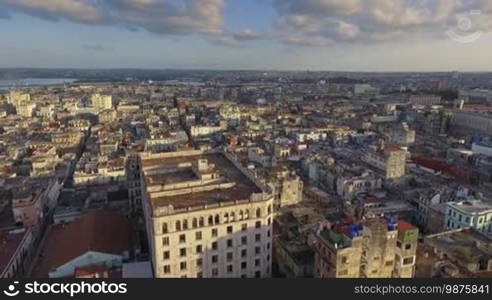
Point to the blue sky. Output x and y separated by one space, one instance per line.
353 35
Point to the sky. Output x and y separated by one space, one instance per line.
338 35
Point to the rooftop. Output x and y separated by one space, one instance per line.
99 231
475 206
176 180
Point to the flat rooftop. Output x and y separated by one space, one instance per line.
9 243
234 184
462 244
472 206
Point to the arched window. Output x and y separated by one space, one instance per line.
185 224
241 215
195 223
217 219
226 217
233 216
258 213
178 225
201 223
210 220
269 209
246 214
164 227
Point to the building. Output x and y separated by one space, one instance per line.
15 252
206 216
287 188
102 102
470 214
366 249
391 160
91 245
406 250
427 100
461 253
402 135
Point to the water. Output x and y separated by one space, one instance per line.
27 82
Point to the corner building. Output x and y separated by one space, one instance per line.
206 216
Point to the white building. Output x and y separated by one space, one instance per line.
102 102
206 216
470 214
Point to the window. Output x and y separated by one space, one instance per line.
398 244
226 217
167 269
182 252
257 262
269 209
268 233
164 228
241 215
210 220
258 237
244 227
165 241
199 249
246 214
408 246
230 269
182 266
257 250
229 229
244 240
215 259
257 274
230 256
244 253
244 265
166 255
199 262
178 225
214 232
268 246
185 224
215 272
258 213
201 222
198 235
214 246
258 224
229 243
195 223
217 219
182 238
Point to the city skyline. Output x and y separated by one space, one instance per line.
248 35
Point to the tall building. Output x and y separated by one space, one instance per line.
374 248
406 250
287 188
391 160
425 100
102 102
206 216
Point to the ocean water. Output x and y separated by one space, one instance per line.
27 82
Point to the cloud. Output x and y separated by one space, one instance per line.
166 17
330 22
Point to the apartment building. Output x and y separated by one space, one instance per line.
470 214
374 248
102 102
206 216
391 160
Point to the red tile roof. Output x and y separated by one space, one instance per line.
98 231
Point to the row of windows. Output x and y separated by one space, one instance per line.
215 233
213 220
183 266
199 249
